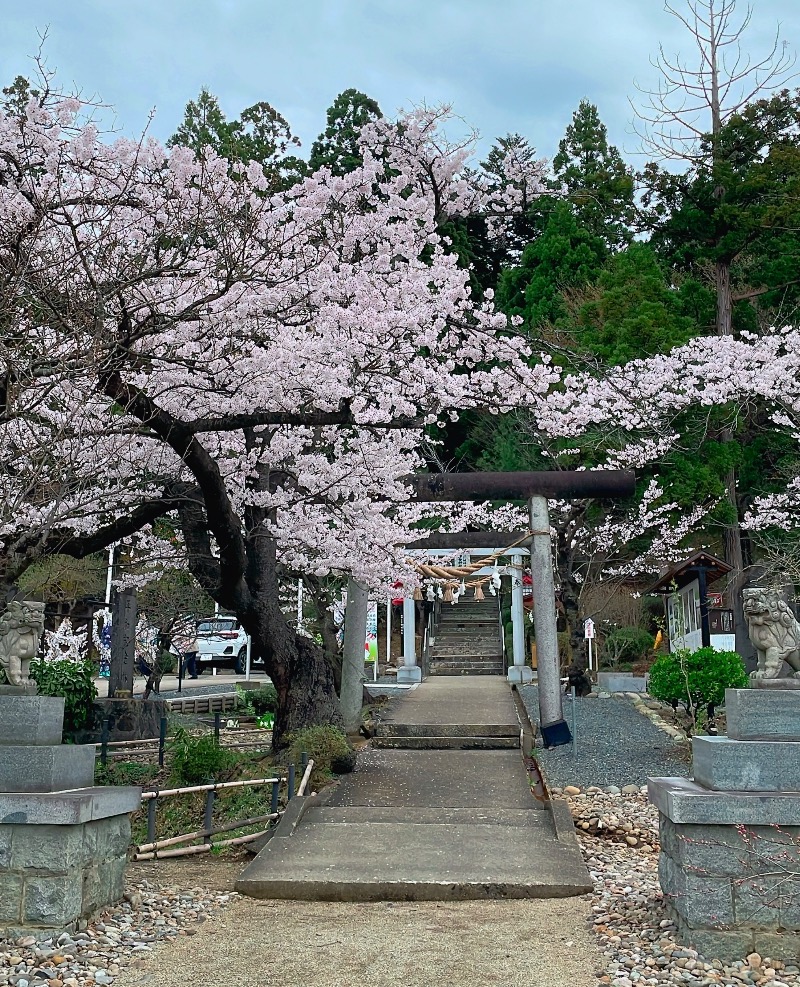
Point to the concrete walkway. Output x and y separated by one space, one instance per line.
431 824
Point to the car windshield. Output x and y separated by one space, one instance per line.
215 626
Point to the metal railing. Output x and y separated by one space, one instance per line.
156 746
429 637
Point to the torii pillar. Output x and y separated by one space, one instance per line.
535 488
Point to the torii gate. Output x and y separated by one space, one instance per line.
535 487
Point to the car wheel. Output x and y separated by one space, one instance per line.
240 665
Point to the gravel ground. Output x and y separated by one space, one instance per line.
163 936
121 936
616 745
635 935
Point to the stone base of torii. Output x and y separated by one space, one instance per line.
535 488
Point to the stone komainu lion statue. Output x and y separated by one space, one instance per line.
774 632
21 627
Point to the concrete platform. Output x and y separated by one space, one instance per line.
426 825
406 861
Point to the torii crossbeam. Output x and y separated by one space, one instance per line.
536 488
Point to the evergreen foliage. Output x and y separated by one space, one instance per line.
597 181
337 146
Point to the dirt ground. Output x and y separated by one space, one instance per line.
253 943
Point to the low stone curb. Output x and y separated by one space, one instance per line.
655 718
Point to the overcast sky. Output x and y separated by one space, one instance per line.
505 65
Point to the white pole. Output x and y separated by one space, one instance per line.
216 614
299 605
388 631
110 574
247 660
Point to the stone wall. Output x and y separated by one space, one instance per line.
730 837
52 876
732 888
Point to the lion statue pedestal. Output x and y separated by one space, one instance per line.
774 633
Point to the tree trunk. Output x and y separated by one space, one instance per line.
326 626
722 284
732 539
569 587
303 679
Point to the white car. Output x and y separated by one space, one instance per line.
221 642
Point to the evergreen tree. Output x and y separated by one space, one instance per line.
260 134
566 256
598 182
634 312
337 146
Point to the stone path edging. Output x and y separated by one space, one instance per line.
641 707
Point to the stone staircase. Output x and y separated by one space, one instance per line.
468 640
452 713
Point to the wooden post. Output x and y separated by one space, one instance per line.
123 645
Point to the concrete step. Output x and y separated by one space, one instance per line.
416 825
457 622
496 816
467 643
459 661
489 651
389 729
446 743
485 671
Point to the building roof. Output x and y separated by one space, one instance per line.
715 569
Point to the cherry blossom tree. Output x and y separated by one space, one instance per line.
255 365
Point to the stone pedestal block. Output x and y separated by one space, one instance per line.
55 876
46 769
779 684
760 714
63 842
519 674
746 765
31 720
733 891
730 839
409 674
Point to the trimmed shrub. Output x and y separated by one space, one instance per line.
256 702
74 680
696 680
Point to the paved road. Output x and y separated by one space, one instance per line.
205 685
